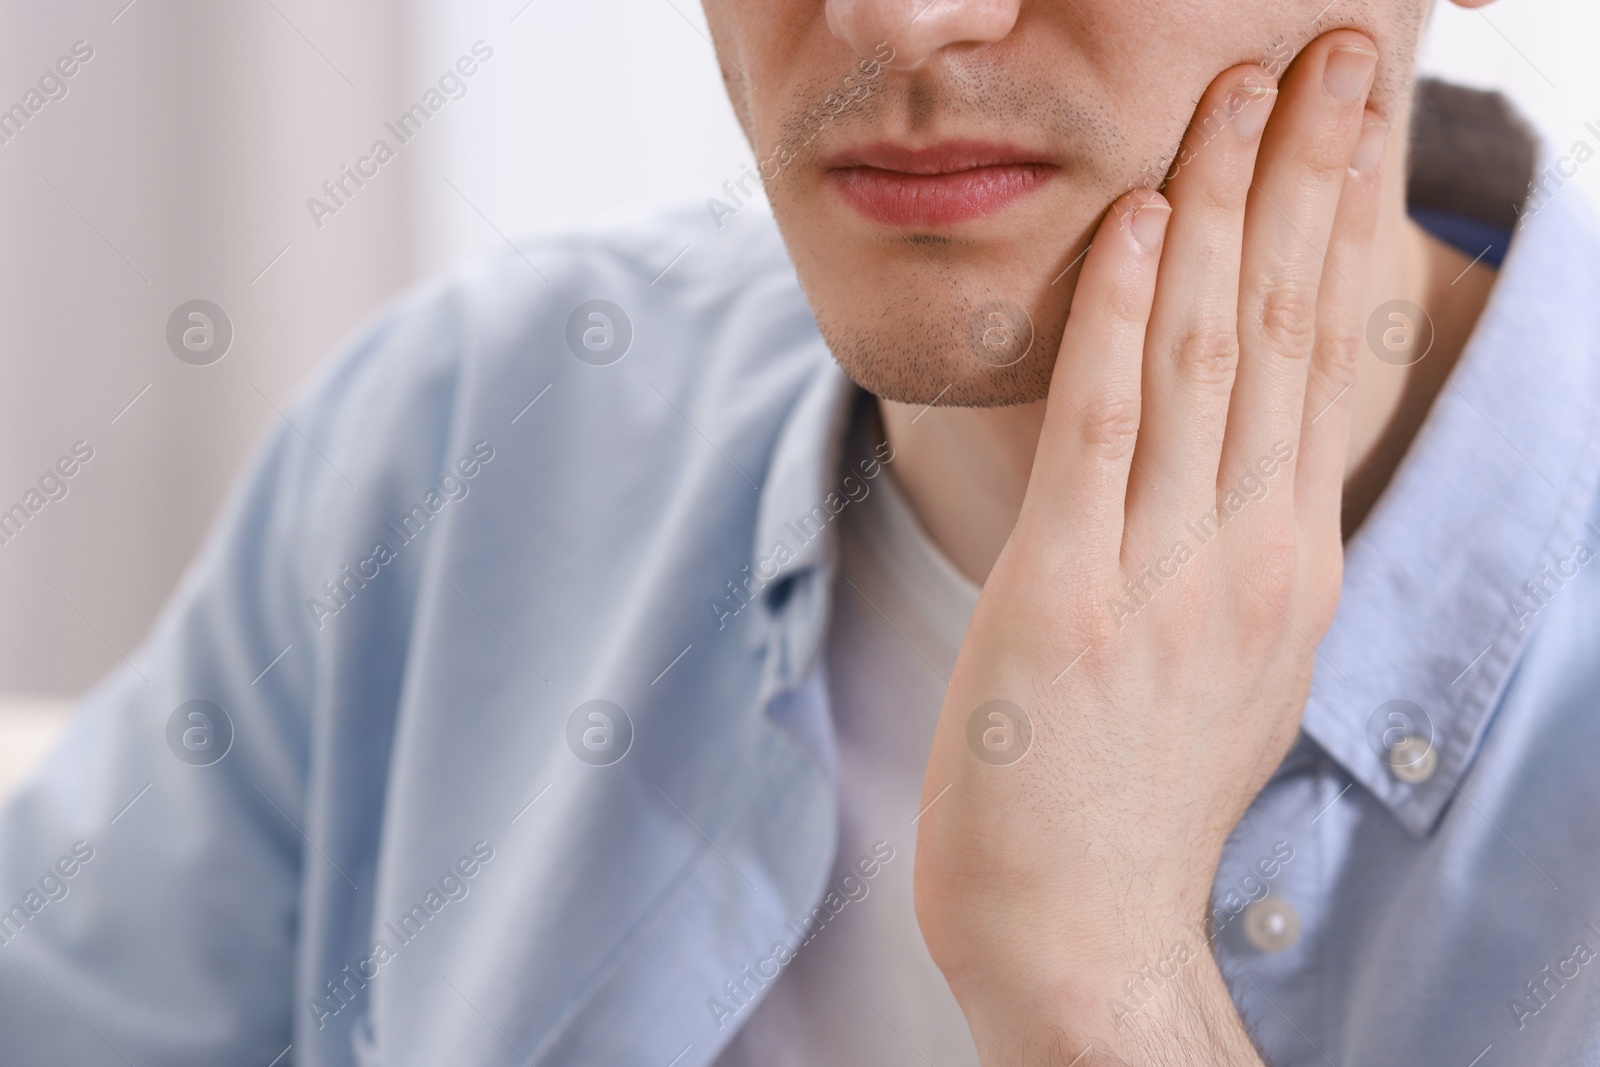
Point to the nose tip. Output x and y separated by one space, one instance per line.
916 29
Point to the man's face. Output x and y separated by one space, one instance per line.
936 166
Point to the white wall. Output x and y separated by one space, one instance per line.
601 109
175 168
183 157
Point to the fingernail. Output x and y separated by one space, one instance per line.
1369 149
1346 73
1251 104
1149 224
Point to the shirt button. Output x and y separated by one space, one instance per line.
1271 924
1412 759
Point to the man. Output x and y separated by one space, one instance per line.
588 678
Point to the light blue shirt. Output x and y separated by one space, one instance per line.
423 844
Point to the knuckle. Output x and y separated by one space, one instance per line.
1272 563
1111 423
1338 355
1207 354
1226 193
1128 305
1324 160
1288 318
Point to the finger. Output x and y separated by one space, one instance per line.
1192 347
1079 483
1325 426
1300 175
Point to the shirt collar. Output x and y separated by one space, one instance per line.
794 539
1495 489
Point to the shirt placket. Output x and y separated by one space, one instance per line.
1268 907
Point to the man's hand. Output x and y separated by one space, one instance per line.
1140 657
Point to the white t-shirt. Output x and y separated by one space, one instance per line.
863 989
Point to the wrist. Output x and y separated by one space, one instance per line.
1164 1001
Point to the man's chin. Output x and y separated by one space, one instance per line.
958 324
942 360
963 320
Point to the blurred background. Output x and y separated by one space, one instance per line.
178 164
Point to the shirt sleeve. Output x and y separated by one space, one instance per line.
153 868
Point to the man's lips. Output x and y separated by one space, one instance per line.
945 183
